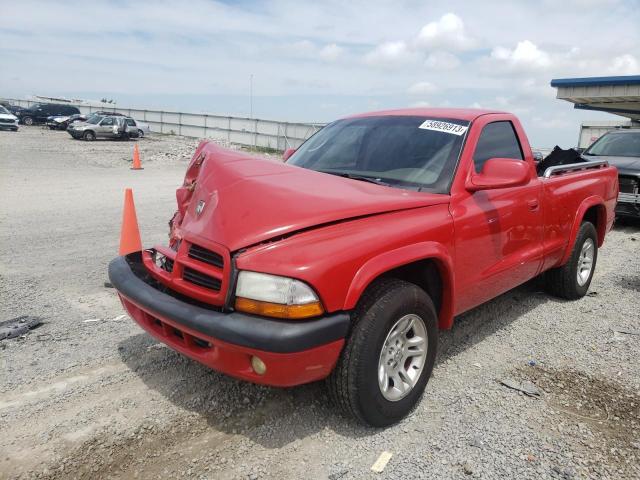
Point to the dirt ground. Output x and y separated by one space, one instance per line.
88 395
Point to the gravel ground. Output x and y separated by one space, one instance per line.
89 395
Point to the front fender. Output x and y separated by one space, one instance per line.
587 203
389 260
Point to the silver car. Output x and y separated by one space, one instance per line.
103 126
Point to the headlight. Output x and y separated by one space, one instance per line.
275 296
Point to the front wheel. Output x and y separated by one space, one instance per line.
27 121
572 280
140 134
89 136
388 358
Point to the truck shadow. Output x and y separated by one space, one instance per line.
274 417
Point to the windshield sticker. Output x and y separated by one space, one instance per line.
445 127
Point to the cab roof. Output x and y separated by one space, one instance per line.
468 114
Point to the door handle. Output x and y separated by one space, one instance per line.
533 204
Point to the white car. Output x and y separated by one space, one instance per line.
8 120
143 128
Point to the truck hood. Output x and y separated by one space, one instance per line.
239 200
625 165
8 116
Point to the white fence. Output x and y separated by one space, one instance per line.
251 132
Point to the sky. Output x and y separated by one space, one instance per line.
321 60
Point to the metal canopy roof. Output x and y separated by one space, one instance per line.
618 95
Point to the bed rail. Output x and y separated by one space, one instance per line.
572 167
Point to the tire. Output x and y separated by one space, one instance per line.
571 281
27 121
140 134
89 136
354 384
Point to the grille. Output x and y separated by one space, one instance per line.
201 279
628 185
6 120
207 256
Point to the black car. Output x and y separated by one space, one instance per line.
621 148
39 112
12 108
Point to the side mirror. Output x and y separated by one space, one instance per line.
287 153
500 173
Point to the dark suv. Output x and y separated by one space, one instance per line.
621 148
39 112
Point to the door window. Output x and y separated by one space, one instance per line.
107 122
497 140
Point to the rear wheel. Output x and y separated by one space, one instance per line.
572 280
27 121
387 360
89 136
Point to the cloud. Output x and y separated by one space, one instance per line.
422 88
437 38
448 33
420 104
525 56
625 65
331 52
390 54
302 48
442 61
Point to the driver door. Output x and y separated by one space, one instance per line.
498 233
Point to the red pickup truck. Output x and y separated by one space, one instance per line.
343 262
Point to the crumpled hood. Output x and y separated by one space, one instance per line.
238 200
625 165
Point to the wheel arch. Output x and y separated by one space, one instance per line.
593 210
426 264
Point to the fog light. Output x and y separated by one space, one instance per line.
258 366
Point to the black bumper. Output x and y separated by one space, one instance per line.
624 209
127 274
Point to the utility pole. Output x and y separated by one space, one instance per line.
251 96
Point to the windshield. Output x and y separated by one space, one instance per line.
94 119
400 151
621 144
3 110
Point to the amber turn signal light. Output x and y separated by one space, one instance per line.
277 310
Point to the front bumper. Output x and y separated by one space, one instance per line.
75 133
9 126
628 205
294 352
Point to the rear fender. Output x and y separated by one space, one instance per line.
586 204
387 261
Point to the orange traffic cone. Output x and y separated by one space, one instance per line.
136 159
130 235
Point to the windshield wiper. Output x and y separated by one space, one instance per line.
362 178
